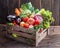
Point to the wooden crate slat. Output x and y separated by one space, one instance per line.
26 30
40 36
23 34
23 40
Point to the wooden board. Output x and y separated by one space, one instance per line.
54 30
40 36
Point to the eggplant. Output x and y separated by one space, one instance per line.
11 17
18 20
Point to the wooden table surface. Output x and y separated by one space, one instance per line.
52 41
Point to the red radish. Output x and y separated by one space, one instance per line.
41 30
14 22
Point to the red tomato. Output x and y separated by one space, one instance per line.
25 19
37 22
31 21
26 25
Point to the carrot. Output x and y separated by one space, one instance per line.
17 12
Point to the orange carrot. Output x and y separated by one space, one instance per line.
17 12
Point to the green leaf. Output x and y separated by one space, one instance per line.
29 5
38 26
25 13
23 6
46 24
11 24
37 10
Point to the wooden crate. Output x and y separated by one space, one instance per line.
28 36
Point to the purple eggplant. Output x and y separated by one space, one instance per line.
18 20
11 17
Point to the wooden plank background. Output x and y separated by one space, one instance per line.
7 7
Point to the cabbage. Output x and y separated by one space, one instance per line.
25 13
38 17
